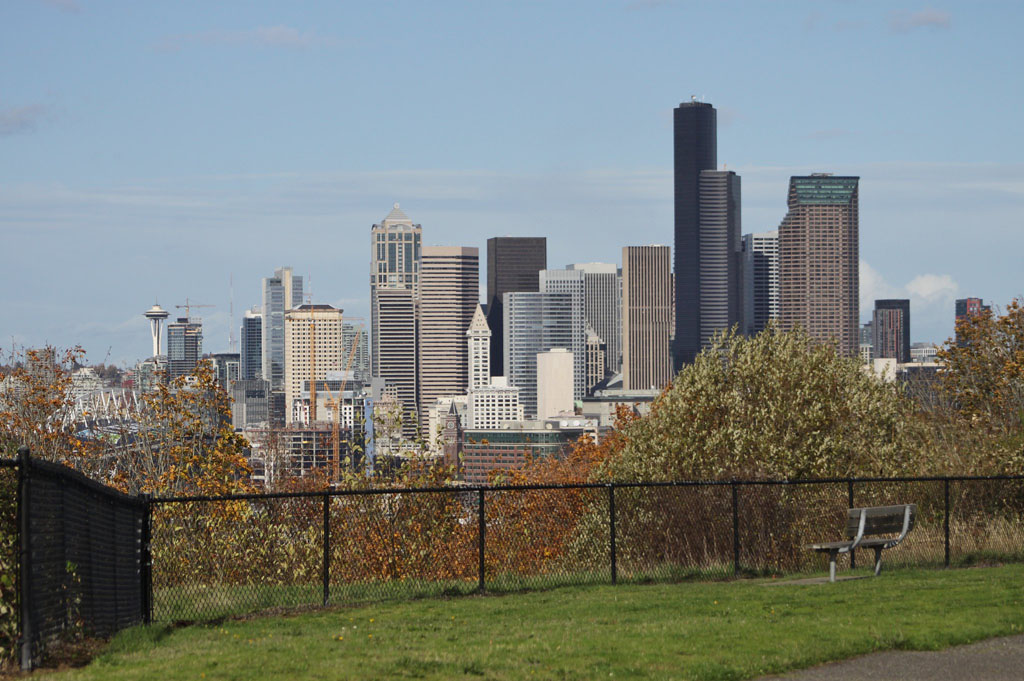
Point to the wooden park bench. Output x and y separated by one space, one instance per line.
862 526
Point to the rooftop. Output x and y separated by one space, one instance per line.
823 189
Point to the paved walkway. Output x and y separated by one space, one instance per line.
996 659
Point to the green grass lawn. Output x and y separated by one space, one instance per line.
722 630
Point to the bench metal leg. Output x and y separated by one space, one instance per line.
878 561
832 555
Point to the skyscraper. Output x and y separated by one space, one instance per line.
313 349
449 295
720 253
535 323
513 264
818 260
760 276
252 345
281 293
602 283
967 307
478 347
891 329
571 282
184 346
355 334
394 307
696 149
646 317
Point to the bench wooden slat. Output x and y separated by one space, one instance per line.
880 520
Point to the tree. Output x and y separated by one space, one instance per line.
776 405
979 428
984 367
184 442
35 397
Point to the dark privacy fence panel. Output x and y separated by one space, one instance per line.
83 559
10 624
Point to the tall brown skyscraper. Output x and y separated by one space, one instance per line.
818 260
646 317
449 295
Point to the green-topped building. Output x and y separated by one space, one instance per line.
819 258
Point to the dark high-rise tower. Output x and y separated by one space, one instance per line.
696 149
891 329
513 265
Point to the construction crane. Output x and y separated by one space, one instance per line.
335 405
189 305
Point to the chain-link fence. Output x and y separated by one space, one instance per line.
81 558
217 557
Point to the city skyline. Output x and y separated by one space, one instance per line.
134 170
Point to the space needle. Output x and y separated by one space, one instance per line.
156 316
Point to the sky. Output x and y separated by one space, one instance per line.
164 151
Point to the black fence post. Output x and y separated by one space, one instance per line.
327 548
735 530
146 578
482 530
611 528
849 498
25 557
946 521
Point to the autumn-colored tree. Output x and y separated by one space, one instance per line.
184 443
35 399
984 367
979 427
776 405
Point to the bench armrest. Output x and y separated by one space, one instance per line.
906 526
860 532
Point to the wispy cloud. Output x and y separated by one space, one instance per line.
930 18
279 36
20 119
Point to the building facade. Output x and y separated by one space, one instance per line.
313 351
819 260
252 345
396 257
281 292
572 283
513 265
355 335
596 354
695 135
602 283
184 346
646 317
554 382
449 295
535 323
478 351
891 328
720 253
493 405
760 280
